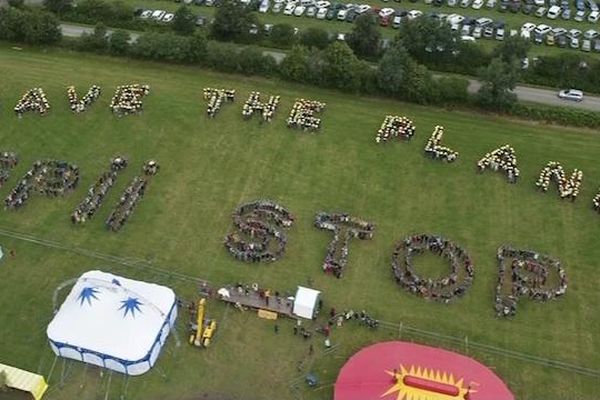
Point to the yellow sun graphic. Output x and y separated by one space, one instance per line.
426 384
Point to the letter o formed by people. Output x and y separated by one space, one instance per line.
259 234
443 289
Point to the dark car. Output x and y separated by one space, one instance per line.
528 9
351 16
597 45
538 38
331 14
438 3
201 21
384 21
468 21
503 6
515 7
562 41
401 13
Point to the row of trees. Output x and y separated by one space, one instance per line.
29 26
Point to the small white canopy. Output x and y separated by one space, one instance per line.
306 302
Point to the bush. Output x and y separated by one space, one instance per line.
118 42
558 115
315 37
116 14
282 35
29 26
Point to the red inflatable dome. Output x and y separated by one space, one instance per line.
408 371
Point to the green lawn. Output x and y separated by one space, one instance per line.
211 166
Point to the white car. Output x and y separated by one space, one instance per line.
491 4
277 8
158 14
363 8
477 32
452 3
477 4
467 38
554 12
483 21
168 17
311 11
342 15
322 4
542 29
528 27
571 94
574 33
146 14
386 12
264 7
299 11
322 13
500 34
289 9
579 16
341 36
539 3
594 16
414 14
454 19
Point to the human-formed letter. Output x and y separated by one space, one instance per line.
8 160
266 110
78 105
530 274
259 232
128 99
131 196
567 188
34 100
395 127
96 193
215 98
344 227
50 178
444 289
434 149
303 113
503 158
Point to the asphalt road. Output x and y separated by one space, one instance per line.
524 93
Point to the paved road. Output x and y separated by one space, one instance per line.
524 93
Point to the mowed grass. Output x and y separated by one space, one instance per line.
210 166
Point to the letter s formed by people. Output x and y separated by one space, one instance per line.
259 235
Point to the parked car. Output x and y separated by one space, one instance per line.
477 4
594 16
528 9
477 32
465 3
500 34
351 16
488 32
515 7
332 14
267 29
311 11
540 12
467 38
452 3
596 45
289 9
146 14
363 8
490 4
503 6
571 94
263 7
158 14
566 14
168 17
586 45
542 29
553 12
574 44
387 12
483 22
590 34
322 13
396 21
414 14
579 15
562 41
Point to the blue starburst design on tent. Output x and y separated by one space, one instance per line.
87 294
130 305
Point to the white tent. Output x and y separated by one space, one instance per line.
306 302
113 322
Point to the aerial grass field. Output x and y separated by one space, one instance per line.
210 166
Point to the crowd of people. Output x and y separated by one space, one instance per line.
503 158
258 236
567 188
51 178
266 110
33 100
128 99
344 227
79 105
596 202
529 276
443 289
131 196
433 148
302 115
395 127
215 98
8 160
97 192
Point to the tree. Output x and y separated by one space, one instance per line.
512 48
396 68
118 42
428 41
16 3
340 67
96 41
197 49
365 37
282 35
315 37
497 82
184 21
294 66
232 22
58 6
